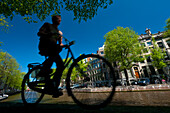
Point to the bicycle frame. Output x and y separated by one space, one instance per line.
66 63
77 69
67 60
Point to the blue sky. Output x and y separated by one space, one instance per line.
22 41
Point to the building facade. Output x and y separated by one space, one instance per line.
145 68
98 71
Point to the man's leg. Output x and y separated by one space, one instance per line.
59 69
58 74
47 66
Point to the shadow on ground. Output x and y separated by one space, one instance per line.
73 108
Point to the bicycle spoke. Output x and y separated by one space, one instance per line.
32 81
92 81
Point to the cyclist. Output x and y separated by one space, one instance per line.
50 45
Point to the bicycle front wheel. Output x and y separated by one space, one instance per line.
28 95
91 81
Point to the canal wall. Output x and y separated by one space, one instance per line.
155 87
133 88
8 93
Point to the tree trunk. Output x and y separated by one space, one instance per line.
126 75
115 70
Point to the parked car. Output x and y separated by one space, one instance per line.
155 80
79 86
75 86
118 82
60 88
133 82
143 81
4 95
121 82
158 79
1 92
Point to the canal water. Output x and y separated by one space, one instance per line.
149 98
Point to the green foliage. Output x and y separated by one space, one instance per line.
64 75
4 24
82 9
0 43
10 75
78 70
122 45
167 28
75 75
158 56
168 24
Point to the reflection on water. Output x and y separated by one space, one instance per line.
31 96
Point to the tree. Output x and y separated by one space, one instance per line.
75 75
82 9
0 43
10 75
78 70
158 56
4 24
122 46
167 28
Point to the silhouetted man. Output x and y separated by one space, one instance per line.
50 45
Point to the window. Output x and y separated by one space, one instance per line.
102 52
149 43
99 69
148 59
99 65
145 73
94 66
152 69
160 44
148 38
168 42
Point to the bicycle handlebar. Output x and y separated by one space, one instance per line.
71 43
68 45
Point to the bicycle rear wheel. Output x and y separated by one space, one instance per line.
91 81
31 80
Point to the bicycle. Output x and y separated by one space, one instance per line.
90 80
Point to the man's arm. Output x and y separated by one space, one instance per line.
61 39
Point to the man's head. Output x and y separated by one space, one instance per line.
56 19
